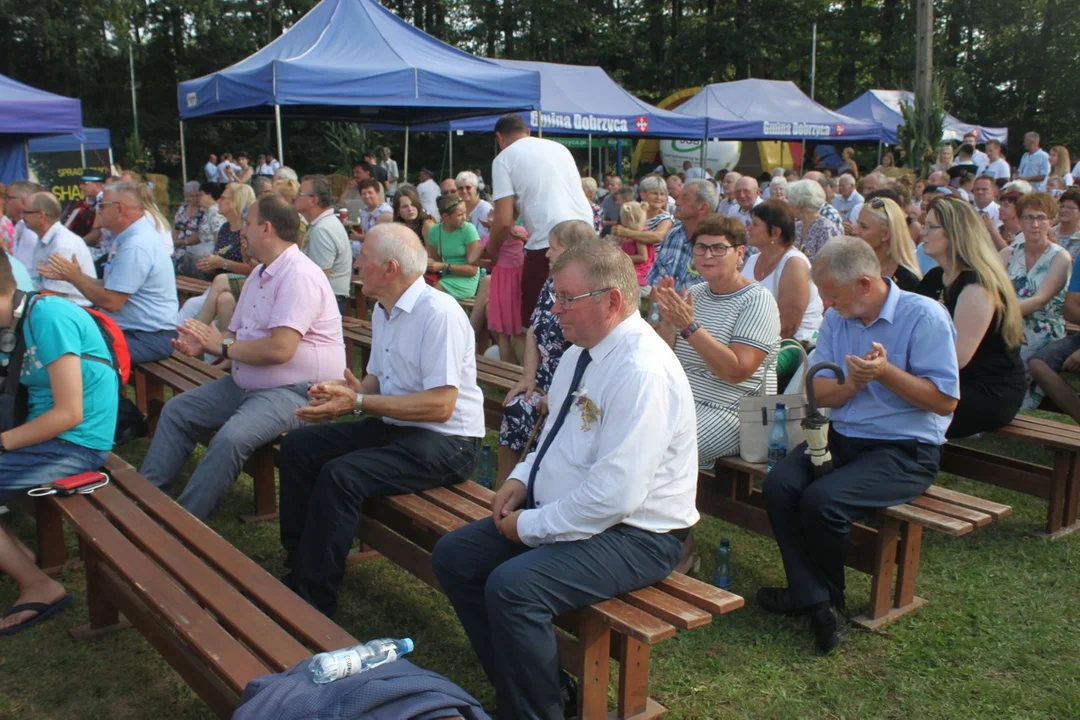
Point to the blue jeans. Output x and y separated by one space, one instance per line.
144 346
45 462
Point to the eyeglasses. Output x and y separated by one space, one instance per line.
1032 219
32 212
719 249
311 195
103 203
567 303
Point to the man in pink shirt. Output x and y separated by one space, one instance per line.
284 336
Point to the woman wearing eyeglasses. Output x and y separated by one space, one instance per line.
722 330
476 208
972 285
883 226
1039 270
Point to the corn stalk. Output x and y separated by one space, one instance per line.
920 134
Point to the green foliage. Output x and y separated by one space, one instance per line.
137 156
347 141
920 135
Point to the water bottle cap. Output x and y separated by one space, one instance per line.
781 406
405 645
724 542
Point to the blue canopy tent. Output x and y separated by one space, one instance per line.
883 106
773 110
87 139
26 112
354 60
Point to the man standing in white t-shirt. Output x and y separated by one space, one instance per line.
429 192
998 167
540 176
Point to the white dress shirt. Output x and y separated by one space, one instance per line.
634 461
25 245
845 206
211 171
59 240
992 209
427 342
735 211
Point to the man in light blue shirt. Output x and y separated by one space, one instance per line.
848 198
139 290
889 418
1035 164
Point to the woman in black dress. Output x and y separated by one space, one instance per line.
883 225
972 285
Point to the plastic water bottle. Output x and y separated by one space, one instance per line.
330 666
722 575
485 473
778 436
654 313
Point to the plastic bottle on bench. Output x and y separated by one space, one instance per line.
485 471
330 666
654 313
778 436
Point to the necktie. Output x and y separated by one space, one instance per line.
583 360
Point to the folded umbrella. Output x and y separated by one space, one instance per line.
815 425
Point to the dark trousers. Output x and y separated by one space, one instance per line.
506 595
144 346
328 471
342 304
534 273
979 411
812 518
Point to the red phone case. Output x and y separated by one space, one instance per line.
68 485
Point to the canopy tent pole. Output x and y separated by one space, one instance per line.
450 147
183 155
405 174
589 163
26 155
277 124
618 157
110 157
879 151
82 154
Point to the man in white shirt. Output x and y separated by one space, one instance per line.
871 183
211 168
1034 164
600 509
539 177
747 195
391 168
980 158
263 167
985 191
691 172
429 193
327 240
41 212
25 240
227 169
848 197
425 424
728 186
998 166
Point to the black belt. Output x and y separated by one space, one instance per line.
682 533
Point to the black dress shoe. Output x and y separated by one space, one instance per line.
778 601
830 627
569 692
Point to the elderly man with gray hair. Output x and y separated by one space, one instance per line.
41 211
424 417
675 256
327 240
889 418
604 505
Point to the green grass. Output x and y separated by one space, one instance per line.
1000 636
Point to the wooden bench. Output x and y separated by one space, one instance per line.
181 373
1058 484
891 549
189 287
216 617
405 528
363 305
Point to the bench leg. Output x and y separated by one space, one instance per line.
104 616
634 700
349 354
265 490
895 539
1064 495
140 392
153 394
51 554
594 638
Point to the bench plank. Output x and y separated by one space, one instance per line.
930 519
979 519
703 595
993 509
670 609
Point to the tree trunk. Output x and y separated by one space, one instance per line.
742 56
509 27
847 77
890 18
1042 65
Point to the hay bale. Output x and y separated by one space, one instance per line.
338 183
161 189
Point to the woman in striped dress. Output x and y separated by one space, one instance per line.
722 330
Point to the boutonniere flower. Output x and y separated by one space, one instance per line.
588 410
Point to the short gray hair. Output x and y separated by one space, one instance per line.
844 260
571 233
46 203
1021 186
779 181
22 188
127 190
606 266
704 191
192 186
652 182
321 189
286 173
1032 135
589 186
397 242
850 178
806 195
467 177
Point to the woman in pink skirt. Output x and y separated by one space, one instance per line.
504 305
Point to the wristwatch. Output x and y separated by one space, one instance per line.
225 345
689 330
445 270
359 409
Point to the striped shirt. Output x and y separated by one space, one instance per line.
748 316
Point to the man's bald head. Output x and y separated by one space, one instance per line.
729 182
45 203
746 192
939 177
397 242
814 175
